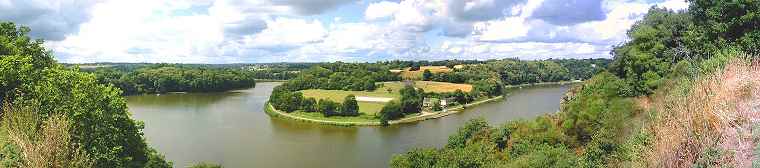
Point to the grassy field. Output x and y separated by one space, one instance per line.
417 75
388 90
319 116
369 108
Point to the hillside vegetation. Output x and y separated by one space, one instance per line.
59 117
683 92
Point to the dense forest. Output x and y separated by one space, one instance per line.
59 117
162 78
654 106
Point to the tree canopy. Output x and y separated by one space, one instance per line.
100 122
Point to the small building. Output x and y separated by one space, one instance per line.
447 101
428 103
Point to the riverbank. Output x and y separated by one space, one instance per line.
422 116
269 109
544 84
270 80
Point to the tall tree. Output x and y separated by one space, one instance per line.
426 75
350 106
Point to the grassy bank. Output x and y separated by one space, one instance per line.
366 119
387 90
544 84
368 109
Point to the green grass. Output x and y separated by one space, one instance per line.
387 90
318 116
364 107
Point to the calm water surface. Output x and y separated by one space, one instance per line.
232 129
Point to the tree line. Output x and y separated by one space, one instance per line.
514 71
162 78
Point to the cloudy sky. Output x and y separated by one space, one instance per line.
240 31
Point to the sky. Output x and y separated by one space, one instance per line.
260 31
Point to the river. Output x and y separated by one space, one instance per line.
232 129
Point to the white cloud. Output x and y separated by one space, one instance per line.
147 33
414 15
674 4
285 33
381 10
512 28
223 31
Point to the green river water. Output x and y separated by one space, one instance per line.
232 129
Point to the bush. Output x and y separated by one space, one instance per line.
391 111
328 107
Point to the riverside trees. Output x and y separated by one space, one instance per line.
162 78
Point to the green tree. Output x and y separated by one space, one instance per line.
350 106
437 105
427 75
98 113
309 105
391 111
328 107
411 99
460 97
414 67
726 22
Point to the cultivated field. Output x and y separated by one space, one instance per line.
417 75
430 86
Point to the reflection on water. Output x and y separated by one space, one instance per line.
232 129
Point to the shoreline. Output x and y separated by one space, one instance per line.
269 109
422 116
544 84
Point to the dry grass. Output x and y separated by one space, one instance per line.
430 86
709 122
417 75
42 142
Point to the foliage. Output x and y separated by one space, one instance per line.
470 129
426 75
391 111
328 107
162 78
99 119
411 99
310 105
658 41
350 106
437 105
42 143
725 22
600 124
